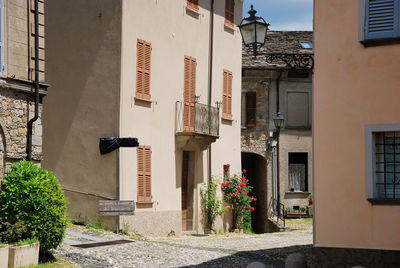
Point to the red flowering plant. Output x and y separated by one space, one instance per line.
236 192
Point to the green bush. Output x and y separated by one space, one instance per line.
211 205
32 195
12 233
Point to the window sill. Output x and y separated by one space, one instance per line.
144 202
229 28
380 42
192 11
227 119
383 202
142 100
299 193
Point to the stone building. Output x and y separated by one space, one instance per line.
260 104
17 81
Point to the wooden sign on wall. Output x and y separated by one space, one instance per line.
116 207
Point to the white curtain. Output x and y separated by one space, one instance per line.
297 177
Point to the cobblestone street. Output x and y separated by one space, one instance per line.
231 250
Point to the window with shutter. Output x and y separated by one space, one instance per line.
382 19
143 68
250 109
144 174
189 92
227 94
193 4
229 12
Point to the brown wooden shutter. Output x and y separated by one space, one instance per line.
144 173
143 68
229 12
250 109
227 95
193 4
189 92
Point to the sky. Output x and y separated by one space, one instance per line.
290 15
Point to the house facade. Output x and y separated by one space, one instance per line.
356 129
161 71
269 88
20 139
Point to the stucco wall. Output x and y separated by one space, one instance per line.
83 59
174 32
353 86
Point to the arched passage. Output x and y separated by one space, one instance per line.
256 167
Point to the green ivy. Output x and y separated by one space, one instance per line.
210 203
33 196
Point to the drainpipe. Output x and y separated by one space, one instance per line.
30 123
210 69
277 147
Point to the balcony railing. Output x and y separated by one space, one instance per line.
197 118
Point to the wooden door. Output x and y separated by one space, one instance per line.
185 173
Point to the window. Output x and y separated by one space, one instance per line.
306 44
379 20
298 109
144 174
143 70
387 159
298 172
227 95
193 4
229 12
251 109
189 93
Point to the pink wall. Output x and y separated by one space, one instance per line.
353 86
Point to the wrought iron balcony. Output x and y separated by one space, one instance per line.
196 119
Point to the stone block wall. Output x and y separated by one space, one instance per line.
16 109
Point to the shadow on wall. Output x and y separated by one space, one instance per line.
270 257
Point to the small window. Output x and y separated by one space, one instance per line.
387 159
229 12
144 174
306 44
298 172
251 102
193 4
227 94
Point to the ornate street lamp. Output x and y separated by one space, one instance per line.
253 30
278 122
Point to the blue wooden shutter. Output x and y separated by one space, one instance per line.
382 19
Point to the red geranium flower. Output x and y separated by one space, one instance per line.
222 184
244 171
255 199
227 184
243 179
246 192
234 175
251 208
227 165
233 194
229 194
239 189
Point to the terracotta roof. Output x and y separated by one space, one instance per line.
277 42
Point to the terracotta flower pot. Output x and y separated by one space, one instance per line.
23 255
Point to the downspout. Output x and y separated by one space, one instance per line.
210 69
30 123
278 180
277 90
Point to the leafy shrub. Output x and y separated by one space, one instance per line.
27 241
210 203
12 233
32 195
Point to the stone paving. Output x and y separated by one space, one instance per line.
230 250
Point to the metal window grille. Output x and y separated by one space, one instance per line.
387 146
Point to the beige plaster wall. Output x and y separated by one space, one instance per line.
83 58
353 86
174 32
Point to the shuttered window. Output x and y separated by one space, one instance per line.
144 173
143 67
189 92
250 109
227 95
382 19
193 4
229 12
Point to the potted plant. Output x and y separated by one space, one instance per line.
310 200
3 255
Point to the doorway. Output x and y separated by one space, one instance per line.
187 191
